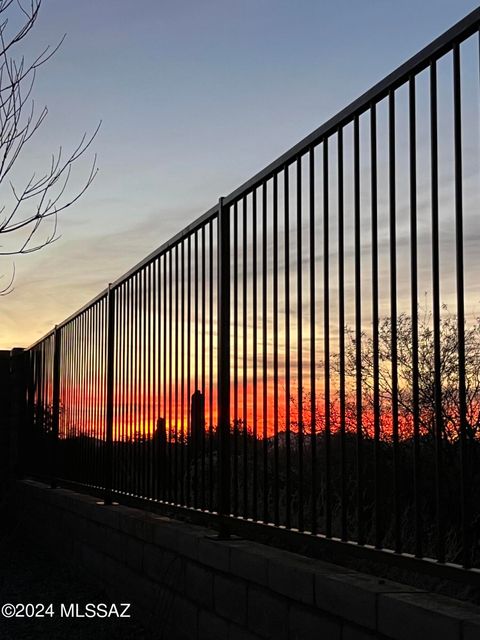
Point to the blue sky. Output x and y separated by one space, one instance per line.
194 98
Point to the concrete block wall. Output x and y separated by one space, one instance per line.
186 586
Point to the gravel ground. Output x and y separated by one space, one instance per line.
29 575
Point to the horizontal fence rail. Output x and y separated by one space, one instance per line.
306 354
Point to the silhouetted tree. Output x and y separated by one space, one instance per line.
426 371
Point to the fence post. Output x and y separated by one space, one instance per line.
223 369
57 336
14 392
109 397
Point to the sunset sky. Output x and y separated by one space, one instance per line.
194 98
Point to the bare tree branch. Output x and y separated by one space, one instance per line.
450 399
44 197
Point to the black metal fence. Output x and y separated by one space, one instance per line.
306 354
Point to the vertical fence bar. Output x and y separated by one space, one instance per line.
159 390
171 465
123 383
76 376
223 369
183 405
393 319
131 394
155 373
134 379
177 371
358 331
375 327
189 367
313 400
254 354
464 445
414 312
151 433
83 474
203 357
166 455
81 395
326 344
245 356
143 374
288 465
235 359
96 384
195 366
265 354
341 335
55 404
80 364
210 367
90 400
299 347
109 395
276 455
117 399
436 315
150 351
